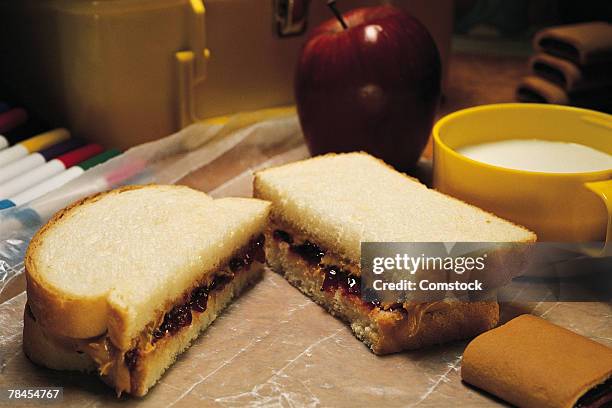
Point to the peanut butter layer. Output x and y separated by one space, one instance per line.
530 362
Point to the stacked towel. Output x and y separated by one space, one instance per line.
572 66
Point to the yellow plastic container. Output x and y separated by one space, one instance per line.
123 72
127 71
569 207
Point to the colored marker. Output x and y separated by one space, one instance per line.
59 180
4 107
48 170
12 118
37 159
32 144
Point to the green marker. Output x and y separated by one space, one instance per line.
99 159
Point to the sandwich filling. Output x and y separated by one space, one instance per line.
121 366
342 278
334 283
196 301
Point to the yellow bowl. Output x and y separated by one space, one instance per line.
570 207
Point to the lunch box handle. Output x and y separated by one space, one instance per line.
291 17
191 65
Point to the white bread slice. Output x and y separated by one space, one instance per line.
341 200
115 261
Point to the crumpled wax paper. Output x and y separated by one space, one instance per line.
273 347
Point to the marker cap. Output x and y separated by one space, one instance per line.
4 204
61 148
45 140
12 118
78 155
101 158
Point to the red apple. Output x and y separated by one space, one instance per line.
373 86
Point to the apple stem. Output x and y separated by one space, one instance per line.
332 5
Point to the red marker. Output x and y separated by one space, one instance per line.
48 170
12 118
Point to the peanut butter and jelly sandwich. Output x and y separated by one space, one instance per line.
324 208
122 282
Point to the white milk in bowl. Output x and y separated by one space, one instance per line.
539 155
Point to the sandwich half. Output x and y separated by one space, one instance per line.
122 282
324 207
